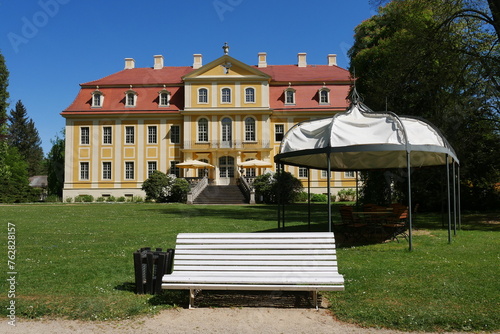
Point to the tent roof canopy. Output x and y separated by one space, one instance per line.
360 139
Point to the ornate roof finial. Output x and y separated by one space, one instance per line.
225 48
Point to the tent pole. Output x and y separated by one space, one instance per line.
283 213
454 201
357 190
410 217
278 166
329 201
308 199
459 201
449 197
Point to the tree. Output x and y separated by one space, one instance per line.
281 187
412 59
55 167
4 96
24 135
15 188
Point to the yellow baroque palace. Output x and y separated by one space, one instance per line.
121 128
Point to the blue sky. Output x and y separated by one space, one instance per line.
51 46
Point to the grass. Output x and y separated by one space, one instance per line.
75 261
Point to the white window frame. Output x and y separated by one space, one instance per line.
152 134
129 170
84 171
128 99
251 96
202 133
97 99
293 96
350 174
129 137
226 95
303 172
107 170
250 133
203 97
84 135
107 138
324 91
164 98
152 166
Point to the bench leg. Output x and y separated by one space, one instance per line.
191 298
315 299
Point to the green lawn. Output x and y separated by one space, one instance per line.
75 261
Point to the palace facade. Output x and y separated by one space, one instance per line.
121 128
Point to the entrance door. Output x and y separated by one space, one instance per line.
226 170
227 132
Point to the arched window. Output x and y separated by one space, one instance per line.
203 95
226 95
203 130
97 98
249 129
163 98
324 96
289 96
250 95
130 98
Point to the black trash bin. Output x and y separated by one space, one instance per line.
149 267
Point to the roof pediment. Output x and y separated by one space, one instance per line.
226 67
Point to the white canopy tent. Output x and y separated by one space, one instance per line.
360 139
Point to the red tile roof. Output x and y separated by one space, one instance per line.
317 73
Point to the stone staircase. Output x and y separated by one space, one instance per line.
221 195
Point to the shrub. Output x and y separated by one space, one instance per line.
100 199
179 191
53 199
111 199
84 198
280 187
346 195
121 199
319 198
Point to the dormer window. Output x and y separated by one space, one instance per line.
324 95
289 96
130 98
164 98
97 98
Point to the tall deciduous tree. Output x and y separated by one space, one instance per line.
416 57
24 135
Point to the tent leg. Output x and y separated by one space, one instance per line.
449 197
410 217
454 201
329 201
308 199
459 200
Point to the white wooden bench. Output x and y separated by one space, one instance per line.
255 261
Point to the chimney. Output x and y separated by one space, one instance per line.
129 63
158 62
197 60
302 59
262 59
332 60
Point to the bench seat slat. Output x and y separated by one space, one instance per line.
310 264
281 279
255 241
271 235
298 258
252 268
255 251
268 287
254 246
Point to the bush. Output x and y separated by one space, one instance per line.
280 187
100 199
179 191
121 199
53 199
319 198
111 199
84 198
346 195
